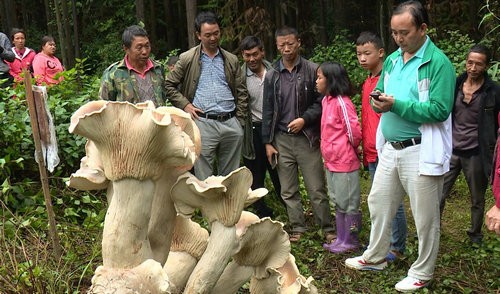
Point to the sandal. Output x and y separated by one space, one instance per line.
330 237
295 237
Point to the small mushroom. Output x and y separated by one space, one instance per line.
90 176
221 200
288 279
189 241
251 258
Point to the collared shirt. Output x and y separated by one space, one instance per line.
213 94
288 95
149 66
403 85
255 87
465 122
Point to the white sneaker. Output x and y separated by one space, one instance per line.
359 263
410 284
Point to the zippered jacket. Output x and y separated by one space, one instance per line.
309 101
340 134
436 89
187 74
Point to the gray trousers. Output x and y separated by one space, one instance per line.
220 141
477 182
294 152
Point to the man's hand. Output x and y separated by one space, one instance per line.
384 104
193 111
270 151
492 219
296 125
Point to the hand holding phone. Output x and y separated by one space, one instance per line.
375 95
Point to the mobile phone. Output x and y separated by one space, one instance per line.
274 160
375 95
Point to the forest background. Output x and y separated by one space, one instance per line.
88 35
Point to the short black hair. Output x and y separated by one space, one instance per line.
285 31
205 17
46 39
250 42
481 49
16 31
130 33
416 10
369 37
337 79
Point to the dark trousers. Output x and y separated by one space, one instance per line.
9 79
478 183
258 167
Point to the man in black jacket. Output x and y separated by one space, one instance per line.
290 129
477 102
7 54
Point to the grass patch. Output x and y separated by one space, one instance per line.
27 264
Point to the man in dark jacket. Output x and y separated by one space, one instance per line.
290 129
477 102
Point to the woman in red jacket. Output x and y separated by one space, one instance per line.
23 55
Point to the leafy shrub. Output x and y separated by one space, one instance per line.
17 165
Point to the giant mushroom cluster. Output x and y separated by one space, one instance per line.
142 156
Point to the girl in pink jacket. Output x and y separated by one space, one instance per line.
340 139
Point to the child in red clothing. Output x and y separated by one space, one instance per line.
340 139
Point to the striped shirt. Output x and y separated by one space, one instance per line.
213 94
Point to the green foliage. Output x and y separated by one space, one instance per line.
455 45
18 168
343 51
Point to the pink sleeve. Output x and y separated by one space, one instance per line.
38 69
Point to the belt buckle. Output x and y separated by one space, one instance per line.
398 145
220 117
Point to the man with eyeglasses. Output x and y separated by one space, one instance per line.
136 78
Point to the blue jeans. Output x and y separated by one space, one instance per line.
399 227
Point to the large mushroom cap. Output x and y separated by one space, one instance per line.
135 141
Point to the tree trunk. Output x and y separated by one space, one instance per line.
190 16
50 27
170 24
139 11
323 22
60 32
75 29
67 46
153 35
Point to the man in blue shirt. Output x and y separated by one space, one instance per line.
207 83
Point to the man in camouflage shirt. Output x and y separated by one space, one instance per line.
135 78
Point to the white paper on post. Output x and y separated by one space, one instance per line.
46 125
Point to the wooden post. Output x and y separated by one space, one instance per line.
34 118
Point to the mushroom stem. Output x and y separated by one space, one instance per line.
178 267
221 246
233 277
125 242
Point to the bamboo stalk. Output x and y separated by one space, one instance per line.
32 107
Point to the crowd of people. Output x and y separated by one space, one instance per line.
420 127
15 58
